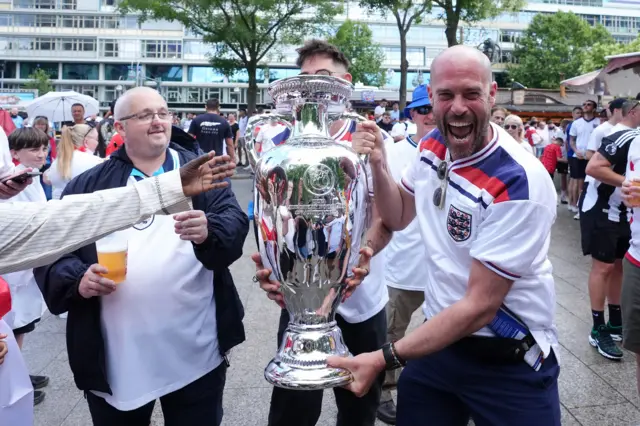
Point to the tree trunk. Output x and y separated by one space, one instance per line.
252 90
451 30
404 68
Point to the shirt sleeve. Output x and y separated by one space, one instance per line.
610 150
514 237
193 128
594 140
407 181
573 131
227 132
37 234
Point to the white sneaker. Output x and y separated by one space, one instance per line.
576 217
63 316
563 198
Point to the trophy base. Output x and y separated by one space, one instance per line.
300 363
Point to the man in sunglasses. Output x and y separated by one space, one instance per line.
604 227
485 208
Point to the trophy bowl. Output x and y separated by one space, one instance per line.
311 212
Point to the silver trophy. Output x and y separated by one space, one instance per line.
311 212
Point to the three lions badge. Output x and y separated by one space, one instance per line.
458 224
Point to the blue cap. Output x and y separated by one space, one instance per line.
419 98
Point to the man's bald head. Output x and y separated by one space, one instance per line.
457 54
132 98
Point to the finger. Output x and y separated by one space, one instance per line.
103 282
269 287
257 259
188 215
341 362
196 163
264 274
98 269
192 222
3 336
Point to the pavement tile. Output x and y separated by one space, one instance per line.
579 386
62 396
40 349
621 377
608 415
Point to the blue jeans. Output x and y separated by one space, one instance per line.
449 387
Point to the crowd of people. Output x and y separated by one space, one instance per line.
468 191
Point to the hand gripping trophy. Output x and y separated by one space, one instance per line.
306 190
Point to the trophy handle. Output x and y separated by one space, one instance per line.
254 124
353 117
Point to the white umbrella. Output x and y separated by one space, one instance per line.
56 106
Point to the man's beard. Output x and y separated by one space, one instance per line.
457 152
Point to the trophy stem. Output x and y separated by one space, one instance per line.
301 361
311 120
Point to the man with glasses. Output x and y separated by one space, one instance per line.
405 271
579 135
485 209
361 317
605 229
163 332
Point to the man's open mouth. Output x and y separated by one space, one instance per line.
460 129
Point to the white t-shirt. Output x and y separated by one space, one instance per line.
597 135
27 303
80 163
406 253
499 208
633 171
527 146
6 164
581 129
378 111
400 129
271 136
333 234
159 327
16 390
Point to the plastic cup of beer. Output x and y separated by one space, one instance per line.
635 182
112 254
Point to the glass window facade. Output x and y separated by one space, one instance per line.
165 72
169 49
80 71
119 72
197 74
415 56
10 68
27 68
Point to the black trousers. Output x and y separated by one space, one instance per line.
302 408
197 404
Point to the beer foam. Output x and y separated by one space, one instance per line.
111 246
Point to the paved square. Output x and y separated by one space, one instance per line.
593 390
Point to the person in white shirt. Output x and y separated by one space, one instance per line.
485 210
8 189
362 317
271 135
74 156
400 130
579 135
38 233
615 116
29 147
406 255
514 126
379 110
395 112
119 351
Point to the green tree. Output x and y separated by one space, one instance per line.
355 40
554 47
39 80
595 58
452 12
242 32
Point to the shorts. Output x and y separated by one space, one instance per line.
28 328
241 142
562 168
602 238
630 304
577 168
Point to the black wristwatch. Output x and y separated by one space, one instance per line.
391 359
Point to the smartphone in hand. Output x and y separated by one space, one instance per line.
22 177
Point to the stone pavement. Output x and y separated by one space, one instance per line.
593 390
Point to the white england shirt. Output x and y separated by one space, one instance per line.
159 326
595 140
499 208
406 254
581 129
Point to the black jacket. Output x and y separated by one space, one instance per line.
228 228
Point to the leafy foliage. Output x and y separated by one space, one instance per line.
554 47
355 40
241 31
595 58
40 80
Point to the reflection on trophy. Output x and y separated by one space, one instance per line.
312 209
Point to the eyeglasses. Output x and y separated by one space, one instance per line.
145 117
440 194
423 110
589 103
322 72
511 126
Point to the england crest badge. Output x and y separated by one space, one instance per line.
458 224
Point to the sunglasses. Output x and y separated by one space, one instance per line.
511 126
589 103
440 194
423 110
